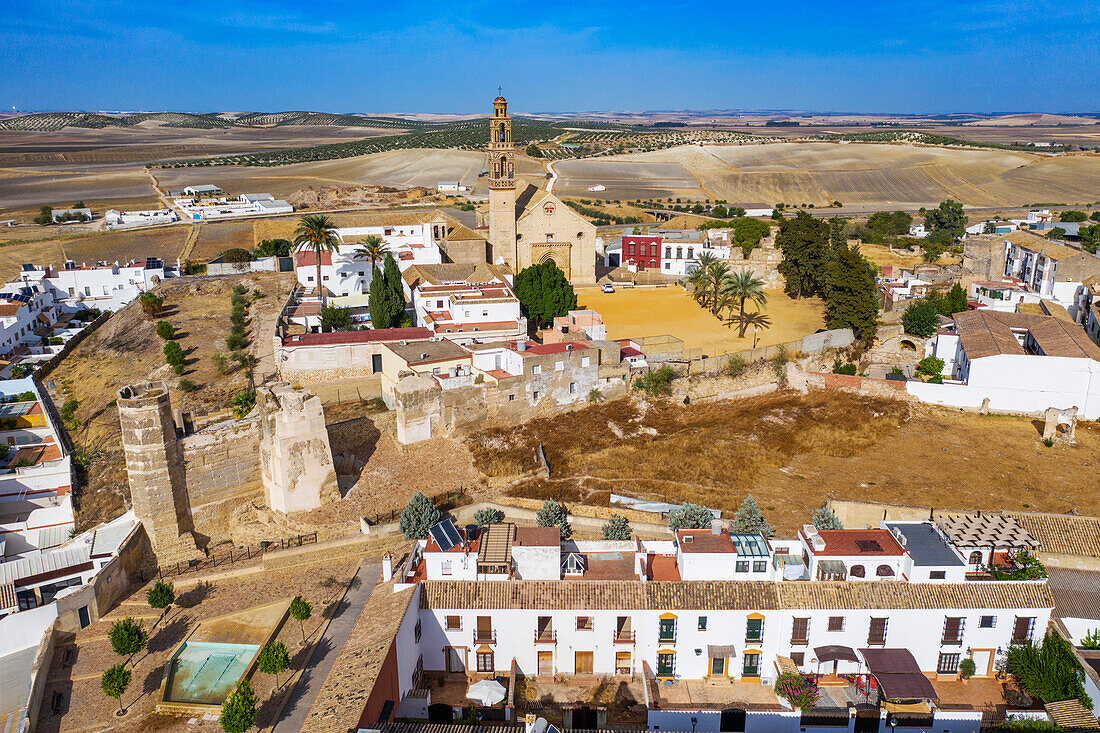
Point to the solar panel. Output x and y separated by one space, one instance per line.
27 268
445 535
868 546
21 298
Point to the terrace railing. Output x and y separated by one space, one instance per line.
233 555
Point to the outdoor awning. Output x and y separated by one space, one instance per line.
907 708
721 651
832 569
835 652
898 674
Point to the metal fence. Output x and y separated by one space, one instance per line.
234 555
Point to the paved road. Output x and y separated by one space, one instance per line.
317 669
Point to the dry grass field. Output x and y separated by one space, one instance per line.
214 237
122 246
791 452
632 313
881 255
393 168
894 175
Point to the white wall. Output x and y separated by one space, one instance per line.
1021 383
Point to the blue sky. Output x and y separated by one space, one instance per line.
918 56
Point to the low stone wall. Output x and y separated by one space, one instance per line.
863 385
222 462
584 510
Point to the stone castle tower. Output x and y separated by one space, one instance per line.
502 186
154 465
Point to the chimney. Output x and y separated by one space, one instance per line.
716 526
521 345
387 566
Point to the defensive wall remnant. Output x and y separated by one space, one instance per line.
280 451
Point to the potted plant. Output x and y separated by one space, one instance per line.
967 668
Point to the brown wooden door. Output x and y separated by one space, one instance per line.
583 663
546 663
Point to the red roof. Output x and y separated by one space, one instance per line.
374 335
851 542
309 258
630 351
661 567
537 537
486 326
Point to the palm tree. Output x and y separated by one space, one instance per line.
373 249
743 286
696 280
745 320
716 275
316 233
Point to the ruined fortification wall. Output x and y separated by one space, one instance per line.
222 462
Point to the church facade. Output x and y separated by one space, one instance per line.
527 225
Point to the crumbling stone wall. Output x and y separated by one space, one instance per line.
154 465
222 462
296 460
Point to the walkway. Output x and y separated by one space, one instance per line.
328 649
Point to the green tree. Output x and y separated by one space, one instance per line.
553 514
236 256
656 382
372 250
160 596
921 318
151 303
955 302
690 516
533 151
826 518
1049 671
930 365
1090 237
301 611
173 354
544 293
273 659
947 217
274 248
616 528
1072 216
317 234
239 709
114 682
889 224
335 318
396 290
1057 234
378 303
418 516
851 294
488 515
747 233
45 215
745 286
750 520
128 637
804 242
166 330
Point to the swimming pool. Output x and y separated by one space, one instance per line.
206 672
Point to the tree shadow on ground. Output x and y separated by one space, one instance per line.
195 596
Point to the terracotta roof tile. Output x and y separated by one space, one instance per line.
1062 534
988 333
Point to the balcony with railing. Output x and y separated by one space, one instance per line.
627 637
485 636
546 636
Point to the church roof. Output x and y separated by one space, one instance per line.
481 272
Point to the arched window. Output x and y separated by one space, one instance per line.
679 253
857 571
884 571
668 252
501 133
975 558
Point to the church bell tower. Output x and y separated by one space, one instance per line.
502 186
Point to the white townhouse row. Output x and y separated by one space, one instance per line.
1050 269
713 603
25 309
104 285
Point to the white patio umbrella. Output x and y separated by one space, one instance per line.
486 692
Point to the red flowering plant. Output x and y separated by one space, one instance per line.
798 689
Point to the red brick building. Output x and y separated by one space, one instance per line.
642 251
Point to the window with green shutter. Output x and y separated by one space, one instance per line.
667 630
754 629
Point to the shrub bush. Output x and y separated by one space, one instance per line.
166 330
656 382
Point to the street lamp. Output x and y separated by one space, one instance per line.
694 720
893 722
755 335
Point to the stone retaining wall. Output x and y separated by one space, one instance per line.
222 462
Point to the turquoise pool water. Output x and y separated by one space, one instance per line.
206 672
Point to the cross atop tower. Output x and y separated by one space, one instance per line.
500 91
